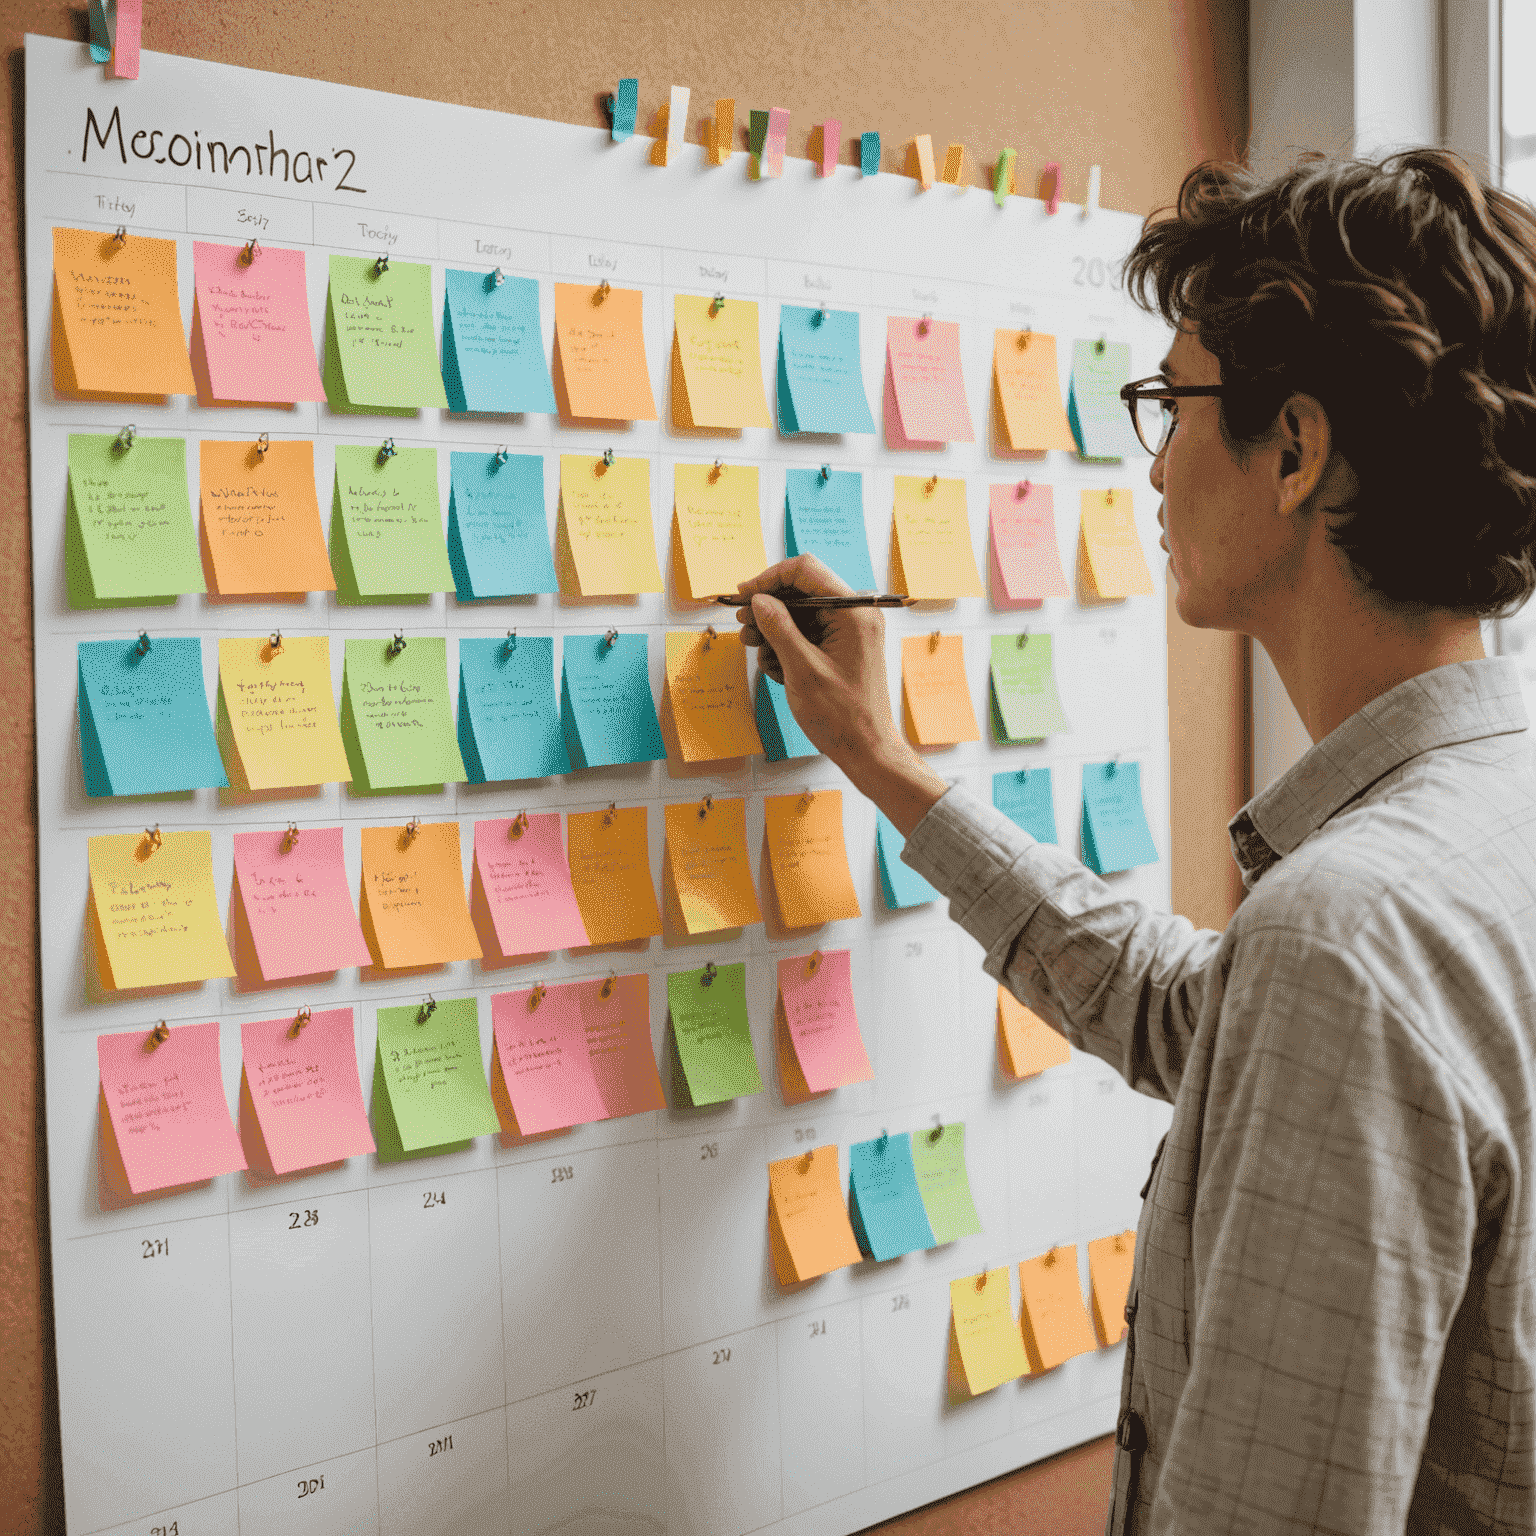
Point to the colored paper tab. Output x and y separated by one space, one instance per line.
708 865
429 1066
524 884
396 715
925 389
154 915
708 1010
1054 1320
1025 704
717 528
1110 561
824 516
1100 423
144 722
600 371
1115 831
869 154
611 874
1002 176
277 713
808 1229
817 1019
413 906
920 160
939 1158
292 891
720 131
387 525
1110 1262
1026 562
672 125
380 342
931 555
606 707
1026 1044
884 1205
103 19
831 142
1027 392
954 165
498 539
987 1343
900 884
125 40
509 721
707 690
717 367
607 543
780 732
493 350
625 110
1024 797
261 518
820 375
775 142
936 705
803 834
166 1101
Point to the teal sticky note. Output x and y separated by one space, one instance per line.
869 153
900 884
1115 832
781 733
1095 411
1024 797
498 536
144 722
509 723
606 706
825 518
626 109
821 380
884 1199
493 349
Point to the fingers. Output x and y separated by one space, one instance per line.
779 632
805 573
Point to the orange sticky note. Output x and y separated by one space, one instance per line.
1027 392
605 545
276 722
717 364
809 859
711 703
1055 1322
412 900
261 519
935 704
717 529
611 874
154 912
1110 1261
117 316
808 1228
985 1344
1026 1044
1026 561
708 865
931 555
599 365
1110 563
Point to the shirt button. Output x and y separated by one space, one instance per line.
1131 1432
1130 1312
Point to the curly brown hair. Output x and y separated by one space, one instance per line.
1401 295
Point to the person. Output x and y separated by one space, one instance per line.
1333 1315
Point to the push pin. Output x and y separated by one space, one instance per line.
1023 637
822 313
925 322
141 645
300 1019
933 640
604 288
121 237
263 445
981 1281
610 813
709 635
250 253
1114 764
158 1035
510 643
1022 490
930 485
124 439
826 473
717 470
381 264
883 1140
716 304
501 456
536 996
1049 1259
396 645
607 459
606 990
387 450
711 970
937 1133
706 806
1119 1242
611 639
806 796
498 277
1109 497
412 827
152 836
813 964
275 642
519 825
1024 336
1098 346
427 1009
291 837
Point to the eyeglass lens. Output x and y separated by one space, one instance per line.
1154 423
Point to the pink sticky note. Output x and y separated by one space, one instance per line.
296 902
125 49
926 384
525 883
250 326
818 1008
167 1105
775 141
1024 550
831 143
305 1089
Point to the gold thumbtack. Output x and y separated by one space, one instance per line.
300 1019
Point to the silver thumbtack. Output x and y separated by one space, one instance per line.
121 237
427 1009
510 643
141 645
826 473
498 277
397 644
711 970
263 443
821 314
501 455
607 458
611 639
124 439
381 264
387 451
275 641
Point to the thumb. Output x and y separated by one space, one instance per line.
781 632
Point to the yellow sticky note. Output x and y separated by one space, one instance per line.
1026 1044
1109 559
985 1339
717 529
809 1233
261 518
717 364
808 857
935 703
611 874
708 865
277 713
1110 1261
599 367
1027 392
931 554
707 690
413 908
154 912
1054 1320
605 543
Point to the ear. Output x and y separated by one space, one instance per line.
1305 444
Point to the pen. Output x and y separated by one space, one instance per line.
812 600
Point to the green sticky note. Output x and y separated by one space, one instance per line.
387 526
1095 411
129 535
714 1039
432 1075
397 715
1025 703
939 1158
381 338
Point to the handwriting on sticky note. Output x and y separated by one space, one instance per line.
809 858
883 1197
296 901
493 352
396 706
413 906
715 348
931 555
1055 1322
521 866
435 1075
708 1009
1028 392
606 692
820 383
1110 547
816 997
707 685
938 1156
1025 555
391 524
719 527
1024 688
509 721
381 323
498 541
808 1228
709 865
923 357
600 354
937 704
261 518
611 874
282 712
987 1338
605 513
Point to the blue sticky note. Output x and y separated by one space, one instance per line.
606 705
498 537
821 380
781 733
493 350
1024 797
886 1205
144 722
869 153
825 518
626 109
509 723
1115 832
900 884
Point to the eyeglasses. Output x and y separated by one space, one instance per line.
1153 414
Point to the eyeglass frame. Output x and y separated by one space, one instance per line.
1139 389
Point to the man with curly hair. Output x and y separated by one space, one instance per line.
1333 1316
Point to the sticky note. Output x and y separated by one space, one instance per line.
380 342
154 914
816 1019
144 722
803 834
1054 1320
824 516
523 883
607 543
250 326
1026 562
387 525
600 371
261 518
900 884
509 721
606 707
276 705
717 529
869 154
707 690
1027 392
117 316
931 555
1024 797
611 874
433 1078
412 905
1025 704
1115 832
396 718
925 384
498 540
987 1343
821 379
305 1090
808 1229
708 1009
1110 562
884 1205
780 732
292 892
717 365
1098 417
129 532
935 703
168 1112
1026 1044
625 110
493 351
709 866
939 1158
1110 1261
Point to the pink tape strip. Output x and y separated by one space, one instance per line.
831 142
125 55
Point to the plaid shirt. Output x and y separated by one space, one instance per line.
1333 1315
